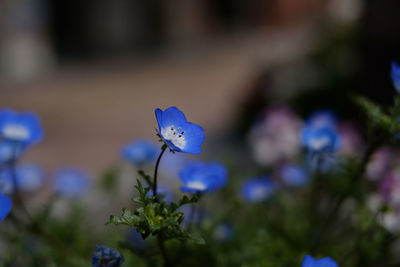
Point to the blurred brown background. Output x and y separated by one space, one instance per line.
95 70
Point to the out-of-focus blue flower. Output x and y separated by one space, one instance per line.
320 133
309 261
324 118
179 134
319 140
22 127
71 182
294 175
395 74
223 231
257 190
203 177
136 240
140 151
29 178
106 257
5 206
10 151
165 191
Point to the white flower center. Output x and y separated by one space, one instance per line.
196 185
319 143
16 132
175 135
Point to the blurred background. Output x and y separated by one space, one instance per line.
95 71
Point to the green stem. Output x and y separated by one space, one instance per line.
163 251
163 148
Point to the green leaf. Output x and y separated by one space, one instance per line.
198 240
127 218
146 177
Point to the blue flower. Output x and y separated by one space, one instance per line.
10 151
309 261
5 206
22 127
395 74
106 257
319 140
321 119
257 190
140 151
320 133
179 134
223 231
71 182
294 175
29 178
203 177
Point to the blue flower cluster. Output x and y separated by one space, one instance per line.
199 177
17 132
29 178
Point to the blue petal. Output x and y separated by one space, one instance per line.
28 120
212 175
33 123
322 118
159 113
5 206
194 136
170 116
309 261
